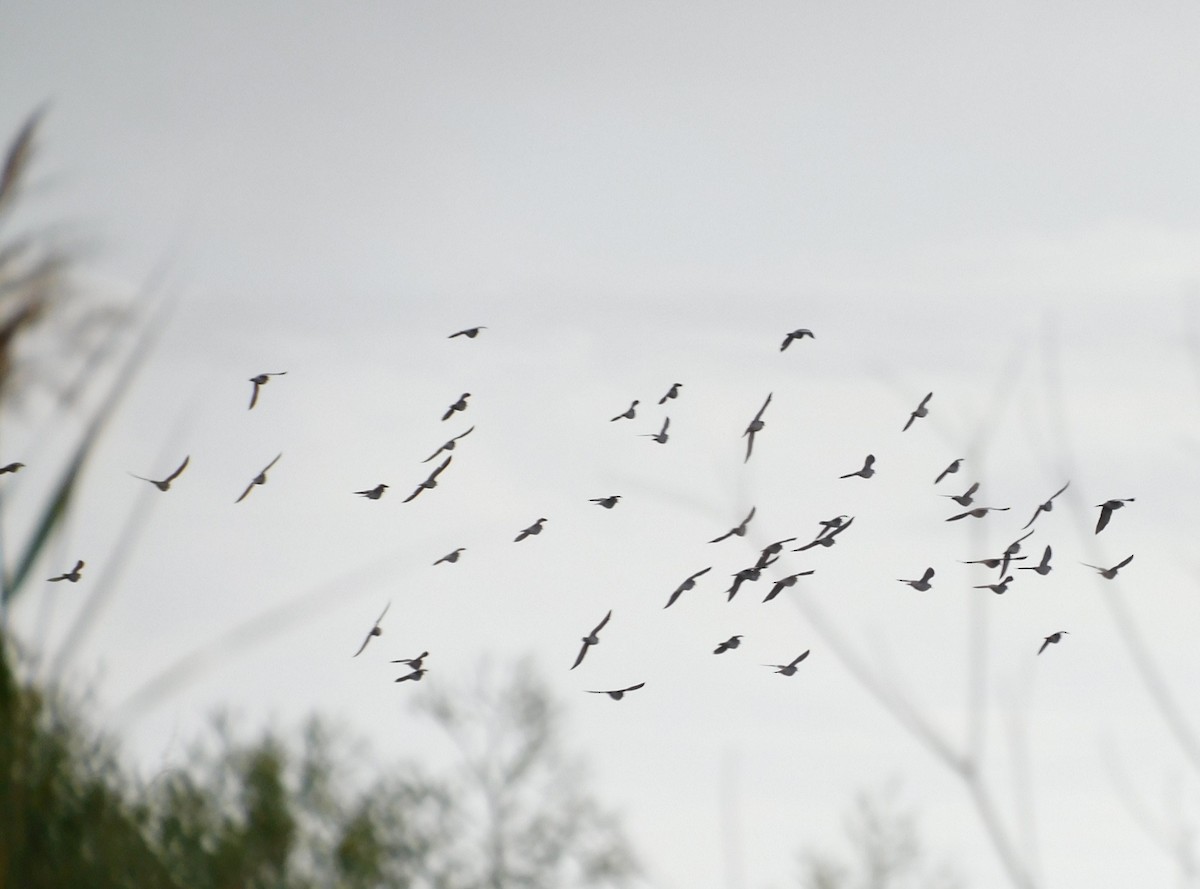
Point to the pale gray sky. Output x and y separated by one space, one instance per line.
955 198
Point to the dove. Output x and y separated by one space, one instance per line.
376 630
660 436
1046 506
739 530
994 563
867 470
591 639
1042 567
966 498
260 479
415 675
460 405
451 558
755 427
606 502
688 584
260 381
731 642
923 584
673 392
827 536
617 693
949 470
978 512
998 588
1052 639
788 669
796 335
374 494
772 549
415 662
535 528
785 582
1011 550
13 467
470 333
921 411
450 445
1107 508
1109 573
430 482
750 574
165 484
71 576
629 413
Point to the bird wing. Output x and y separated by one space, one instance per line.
364 645
79 566
775 590
453 335
1037 512
749 446
971 490
272 463
925 401
1060 490
722 537
763 409
600 626
911 417
800 658
182 466
413 495
440 469
633 687
463 435
787 341
961 515
382 613
928 574
245 493
1045 642
253 396
666 423
1123 564
434 454
1105 515
579 658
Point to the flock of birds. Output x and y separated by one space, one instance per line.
827 535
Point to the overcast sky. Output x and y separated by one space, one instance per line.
996 204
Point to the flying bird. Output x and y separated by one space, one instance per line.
739 530
833 525
966 498
772 549
1052 639
591 639
629 413
260 381
11 467
660 436
1110 573
796 335
673 392
1011 550
1046 506
978 512
784 583
71 576
415 675
375 493
415 662
755 427
731 642
260 479
685 586
788 669
535 528
1107 508
998 588
449 446
867 470
617 693
460 405
165 484
750 574
1042 567
994 563
470 333
376 630
430 482
949 470
921 411
606 502
923 584
827 536
451 558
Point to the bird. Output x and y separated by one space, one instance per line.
1052 639
784 583
460 405
772 549
978 512
535 528
617 693
591 639
756 426
1106 510
606 502
685 586
430 482
1042 567
260 479
415 675
966 498
949 470
449 446
451 558
796 335
739 530
165 484
415 662
788 669
470 333
923 584
833 525
1046 506
375 493
376 630
827 537
866 472
731 642
921 411
629 413
71 576
994 563
1011 550
11 467
260 381
998 588
1109 573
673 392
753 573
660 436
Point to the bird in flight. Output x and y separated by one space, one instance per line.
470 333
1107 508
451 558
923 584
460 405
1052 639
606 502
617 693
788 669
751 574
1046 506
994 563
430 482
921 411
1110 573
998 588
535 528
415 675
165 484
949 470
784 583
1011 550
260 381
831 526
977 513
966 498
11 467
449 446
592 638
415 662
376 630
755 427
629 413
375 493
731 642
799 334
673 392
71 576
867 470
827 536
260 479
685 586
739 530
660 436
772 549
1042 567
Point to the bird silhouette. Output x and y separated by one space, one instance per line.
788 669
833 525
772 549
430 482
260 381
796 335
673 392
731 642
617 693
1107 508
685 586
376 630
994 563
1052 639
966 498
660 436
867 470
375 493
470 333
827 536
71 576
629 413
451 558
921 411
785 582
260 479
1110 573
415 675
755 427
535 528
415 662
460 405
592 638
1045 506
978 512
449 446
923 584
738 530
1011 550
606 502
998 588
13 467
751 574
165 484
1042 567
949 470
